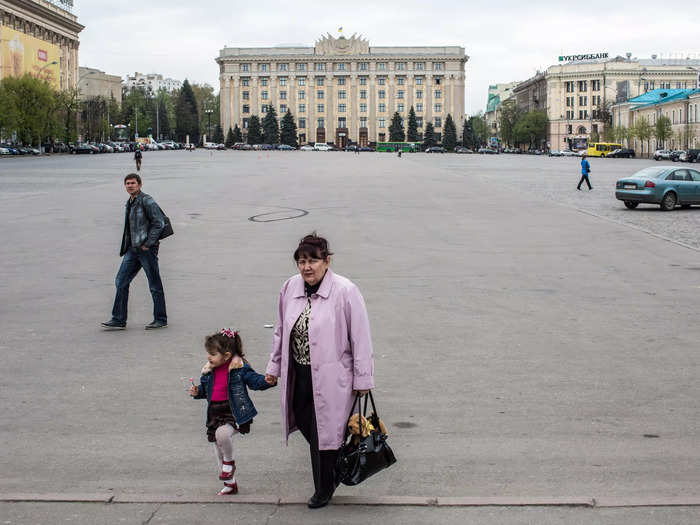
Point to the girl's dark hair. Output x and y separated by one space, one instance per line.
219 343
312 246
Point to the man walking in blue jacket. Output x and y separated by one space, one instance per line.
585 170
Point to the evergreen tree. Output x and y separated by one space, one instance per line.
429 136
254 133
412 131
237 135
288 132
186 114
396 131
449 140
270 127
219 135
468 137
230 141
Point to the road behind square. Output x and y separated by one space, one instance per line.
522 348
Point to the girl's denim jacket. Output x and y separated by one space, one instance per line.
242 407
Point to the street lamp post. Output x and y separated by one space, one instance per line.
209 112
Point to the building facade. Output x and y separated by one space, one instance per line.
342 90
578 95
498 94
680 106
40 37
151 83
96 83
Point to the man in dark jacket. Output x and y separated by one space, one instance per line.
143 223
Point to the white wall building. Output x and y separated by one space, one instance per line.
151 82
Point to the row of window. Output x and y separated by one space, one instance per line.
581 85
342 122
582 114
301 95
583 101
340 81
266 67
342 108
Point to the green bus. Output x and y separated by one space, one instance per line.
406 147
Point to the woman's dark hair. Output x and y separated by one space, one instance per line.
220 343
133 176
312 246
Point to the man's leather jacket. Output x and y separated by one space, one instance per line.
145 221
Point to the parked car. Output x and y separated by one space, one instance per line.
9 147
322 146
84 149
306 147
487 151
366 148
462 149
190 146
662 154
4 151
435 149
286 147
667 186
676 155
621 154
555 153
690 156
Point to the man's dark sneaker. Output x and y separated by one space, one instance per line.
113 325
156 324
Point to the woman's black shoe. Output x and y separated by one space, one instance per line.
316 502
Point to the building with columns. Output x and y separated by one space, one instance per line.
342 90
578 95
40 37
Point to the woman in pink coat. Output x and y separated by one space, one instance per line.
322 354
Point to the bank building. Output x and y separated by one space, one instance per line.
342 90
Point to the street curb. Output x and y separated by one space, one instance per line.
387 501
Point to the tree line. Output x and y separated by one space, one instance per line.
34 113
645 131
518 127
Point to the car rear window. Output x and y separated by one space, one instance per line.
649 173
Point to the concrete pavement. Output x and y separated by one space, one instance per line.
523 349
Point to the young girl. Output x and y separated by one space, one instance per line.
230 410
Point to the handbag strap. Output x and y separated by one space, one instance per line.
352 408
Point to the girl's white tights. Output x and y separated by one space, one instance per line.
223 450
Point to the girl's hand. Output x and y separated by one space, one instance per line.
236 362
270 380
361 392
194 390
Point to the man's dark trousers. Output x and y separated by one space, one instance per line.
135 259
584 177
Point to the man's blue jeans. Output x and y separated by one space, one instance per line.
133 261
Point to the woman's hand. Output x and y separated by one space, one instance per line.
270 380
194 390
361 392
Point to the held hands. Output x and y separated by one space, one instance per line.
361 392
194 390
270 380
144 248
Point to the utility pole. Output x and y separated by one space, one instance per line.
137 121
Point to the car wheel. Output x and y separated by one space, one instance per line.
631 204
669 201
685 206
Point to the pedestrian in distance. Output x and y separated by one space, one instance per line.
144 223
585 170
224 383
322 354
138 156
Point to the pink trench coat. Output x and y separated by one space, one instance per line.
340 347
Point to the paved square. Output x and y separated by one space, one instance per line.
530 340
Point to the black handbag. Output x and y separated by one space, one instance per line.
359 460
167 230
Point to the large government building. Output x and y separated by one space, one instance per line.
577 96
40 37
342 90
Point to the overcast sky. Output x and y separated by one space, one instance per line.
509 41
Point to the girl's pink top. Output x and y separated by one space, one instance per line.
220 390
